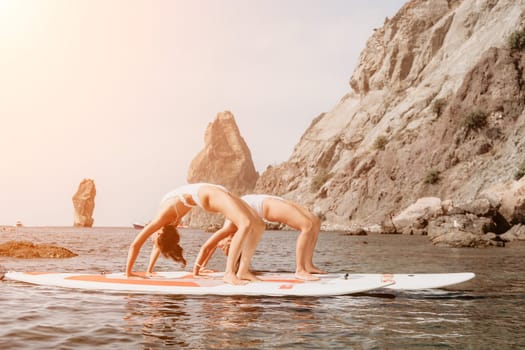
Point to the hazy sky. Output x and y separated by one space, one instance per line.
122 92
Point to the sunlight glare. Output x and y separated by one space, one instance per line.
17 18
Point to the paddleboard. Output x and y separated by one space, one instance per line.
403 281
184 283
423 280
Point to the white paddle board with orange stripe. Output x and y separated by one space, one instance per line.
399 281
402 281
424 280
183 283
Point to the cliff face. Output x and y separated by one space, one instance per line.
84 203
435 109
225 160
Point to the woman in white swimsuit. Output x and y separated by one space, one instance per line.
212 198
274 209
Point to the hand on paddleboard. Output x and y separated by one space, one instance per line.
207 271
202 277
201 271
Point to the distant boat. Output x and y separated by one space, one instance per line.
141 226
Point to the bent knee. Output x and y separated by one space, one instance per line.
312 224
254 224
316 222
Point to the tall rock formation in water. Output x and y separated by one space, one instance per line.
435 109
84 203
225 160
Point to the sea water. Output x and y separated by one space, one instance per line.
487 312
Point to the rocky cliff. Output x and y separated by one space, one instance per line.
225 160
435 109
84 203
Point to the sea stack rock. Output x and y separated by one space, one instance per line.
225 160
84 203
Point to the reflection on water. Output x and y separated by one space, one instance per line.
160 322
485 313
217 322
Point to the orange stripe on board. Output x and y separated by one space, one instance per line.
286 286
154 274
387 277
102 278
282 280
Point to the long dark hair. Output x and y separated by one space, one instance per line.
168 243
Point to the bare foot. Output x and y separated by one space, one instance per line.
248 276
314 269
134 275
230 278
306 276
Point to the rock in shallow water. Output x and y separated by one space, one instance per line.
28 250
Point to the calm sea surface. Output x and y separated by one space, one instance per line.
485 313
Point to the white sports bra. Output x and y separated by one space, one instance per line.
192 190
255 201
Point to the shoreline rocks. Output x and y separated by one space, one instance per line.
482 222
28 250
516 233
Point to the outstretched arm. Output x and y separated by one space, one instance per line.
155 252
208 248
156 224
